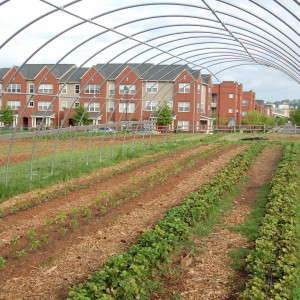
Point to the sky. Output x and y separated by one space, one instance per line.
251 46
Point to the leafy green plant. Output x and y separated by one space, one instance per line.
2 263
21 253
61 217
34 244
31 234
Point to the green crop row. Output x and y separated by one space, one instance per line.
128 275
272 264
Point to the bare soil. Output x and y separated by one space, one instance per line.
69 260
209 275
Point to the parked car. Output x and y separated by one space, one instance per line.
105 129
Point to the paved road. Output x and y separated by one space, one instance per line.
290 129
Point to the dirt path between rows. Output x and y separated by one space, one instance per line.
46 274
208 275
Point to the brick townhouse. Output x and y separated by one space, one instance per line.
109 92
231 103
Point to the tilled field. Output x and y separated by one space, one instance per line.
111 214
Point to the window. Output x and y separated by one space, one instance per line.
0 87
183 125
203 107
31 104
151 87
92 89
63 105
15 105
31 88
64 89
244 102
76 104
127 89
130 107
170 104
244 113
14 88
198 106
198 126
94 106
184 87
111 107
184 106
77 88
46 89
230 96
151 105
208 107
44 105
111 88
230 110
198 88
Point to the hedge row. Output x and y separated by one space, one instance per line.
272 264
127 275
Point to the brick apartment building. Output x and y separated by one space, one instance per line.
231 104
109 92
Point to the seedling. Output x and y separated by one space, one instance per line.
21 253
34 244
87 212
61 217
31 234
15 241
45 238
48 223
74 222
75 211
2 263
64 231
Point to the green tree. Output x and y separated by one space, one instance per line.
164 115
79 112
222 120
6 115
257 118
295 116
282 120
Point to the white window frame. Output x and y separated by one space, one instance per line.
45 88
64 89
31 88
183 125
44 105
170 104
130 107
244 113
14 104
111 89
230 110
127 89
230 96
0 87
151 105
202 110
198 106
111 107
31 103
14 88
63 105
77 104
152 87
244 102
93 107
184 88
198 88
77 89
92 89
184 106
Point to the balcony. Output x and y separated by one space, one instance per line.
213 104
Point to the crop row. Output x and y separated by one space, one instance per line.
65 223
47 196
128 275
272 264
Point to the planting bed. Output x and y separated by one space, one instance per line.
112 213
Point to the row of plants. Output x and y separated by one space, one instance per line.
65 223
129 275
272 265
46 196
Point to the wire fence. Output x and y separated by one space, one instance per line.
120 65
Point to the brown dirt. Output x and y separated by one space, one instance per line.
47 273
209 275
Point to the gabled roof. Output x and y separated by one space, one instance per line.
30 71
146 71
3 72
77 73
205 78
